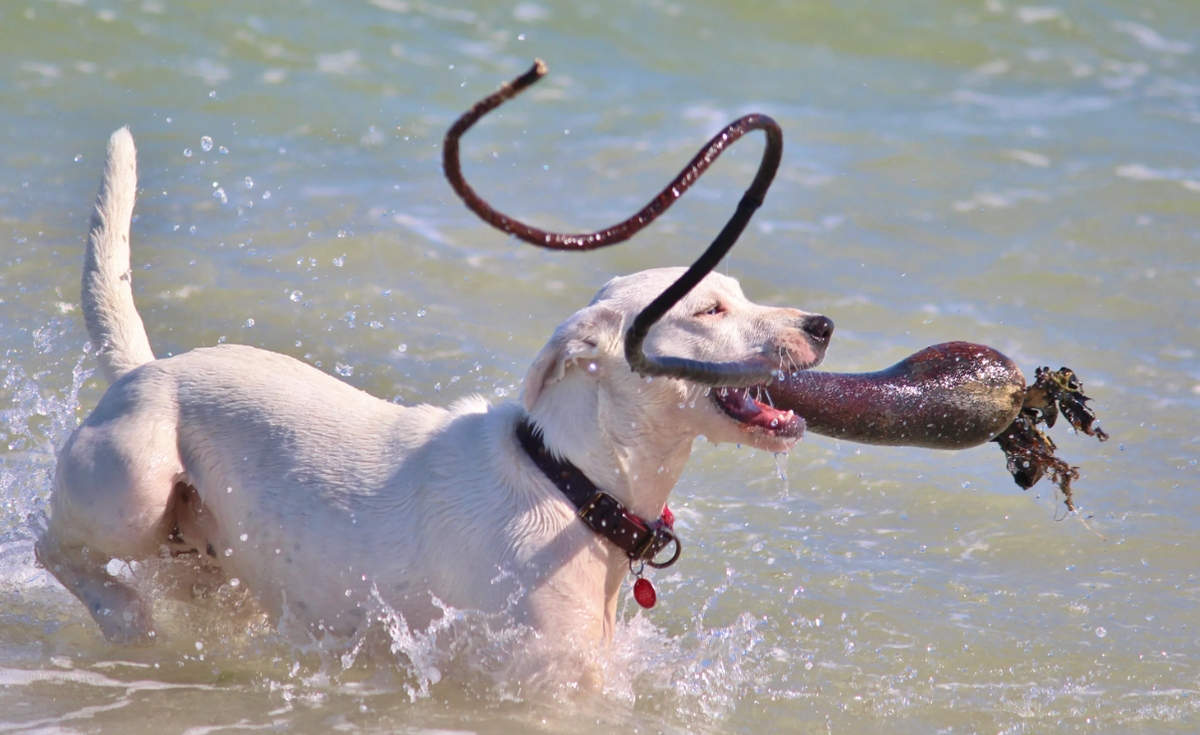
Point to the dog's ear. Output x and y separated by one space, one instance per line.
588 333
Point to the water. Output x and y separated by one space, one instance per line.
1025 176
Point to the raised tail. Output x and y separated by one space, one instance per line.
112 320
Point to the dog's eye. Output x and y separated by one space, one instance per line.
712 310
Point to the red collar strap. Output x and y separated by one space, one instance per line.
641 540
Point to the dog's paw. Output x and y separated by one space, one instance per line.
125 617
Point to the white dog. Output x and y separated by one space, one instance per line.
324 500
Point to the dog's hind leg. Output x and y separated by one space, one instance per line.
116 475
113 492
123 614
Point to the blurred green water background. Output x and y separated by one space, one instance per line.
1025 176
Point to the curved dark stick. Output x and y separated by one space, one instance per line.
619 232
717 374
731 374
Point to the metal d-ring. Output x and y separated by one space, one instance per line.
674 557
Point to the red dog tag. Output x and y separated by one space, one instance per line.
644 593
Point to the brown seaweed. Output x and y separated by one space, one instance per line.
1030 453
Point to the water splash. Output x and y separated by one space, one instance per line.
781 468
40 414
39 408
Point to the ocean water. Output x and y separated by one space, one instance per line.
1023 176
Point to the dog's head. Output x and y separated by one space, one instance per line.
582 371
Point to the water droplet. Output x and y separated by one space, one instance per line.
375 325
296 296
206 144
341 233
228 552
249 183
421 312
339 261
403 347
78 159
343 369
244 536
249 323
235 582
1101 632
220 194
223 150
187 152
266 195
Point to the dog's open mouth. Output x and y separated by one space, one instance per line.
747 407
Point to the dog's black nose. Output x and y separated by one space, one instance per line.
820 328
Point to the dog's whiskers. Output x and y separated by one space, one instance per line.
792 360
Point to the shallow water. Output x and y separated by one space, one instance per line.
1022 176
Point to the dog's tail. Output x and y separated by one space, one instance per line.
112 320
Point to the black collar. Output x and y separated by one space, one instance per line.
640 540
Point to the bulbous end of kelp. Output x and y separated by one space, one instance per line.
1030 453
947 396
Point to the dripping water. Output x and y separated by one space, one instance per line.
781 461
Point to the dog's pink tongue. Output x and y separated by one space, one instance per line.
739 402
948 396
755 413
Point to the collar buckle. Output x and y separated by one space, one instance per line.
641 541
